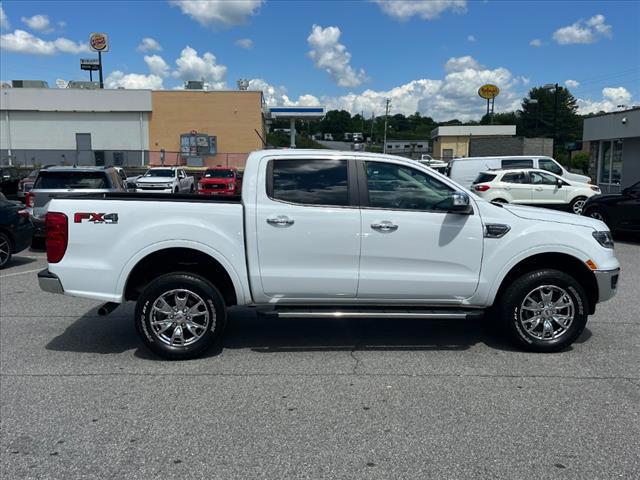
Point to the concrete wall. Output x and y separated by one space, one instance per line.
496 146
233 117
75 100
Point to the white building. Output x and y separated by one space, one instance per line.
69 126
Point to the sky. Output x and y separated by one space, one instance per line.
425 56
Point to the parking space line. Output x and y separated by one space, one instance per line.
20 273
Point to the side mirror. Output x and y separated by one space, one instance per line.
559 183
460 203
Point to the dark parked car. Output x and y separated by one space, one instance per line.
621 212
15 229
9 179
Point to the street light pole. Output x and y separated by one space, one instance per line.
555 88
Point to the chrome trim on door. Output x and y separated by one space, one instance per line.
280 221
384 227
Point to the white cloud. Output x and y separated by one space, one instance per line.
118 79
157 65
245 43
611 98
193 67
4 21
572 83
149 44
403 10
24 42
218 12
39 23
278 95
471 38
536 42
331 56
582 31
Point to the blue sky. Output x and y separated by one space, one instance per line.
425 56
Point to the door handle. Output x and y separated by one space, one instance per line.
539 189
384 227
280 221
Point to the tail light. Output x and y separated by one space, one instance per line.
29 200
57 236
481 188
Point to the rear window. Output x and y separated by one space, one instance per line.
484 177
48 180
219 174
518 163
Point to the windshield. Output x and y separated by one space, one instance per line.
219 174
160 172
70 180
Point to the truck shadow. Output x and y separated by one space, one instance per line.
116 334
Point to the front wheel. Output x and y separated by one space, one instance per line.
180 316
5 250
543 311
597 214
578 204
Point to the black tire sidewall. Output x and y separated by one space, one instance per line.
10 245
514 295
214 304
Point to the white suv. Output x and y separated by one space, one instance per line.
532 187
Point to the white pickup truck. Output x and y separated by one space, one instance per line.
320 234
165 180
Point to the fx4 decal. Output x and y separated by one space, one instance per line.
80 217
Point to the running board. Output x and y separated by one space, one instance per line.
426 314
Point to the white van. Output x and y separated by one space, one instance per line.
465 170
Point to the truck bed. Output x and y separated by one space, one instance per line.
164 197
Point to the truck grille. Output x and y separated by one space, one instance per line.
214 186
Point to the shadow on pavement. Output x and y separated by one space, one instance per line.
116 334
18 261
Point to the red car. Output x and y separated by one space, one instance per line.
221 181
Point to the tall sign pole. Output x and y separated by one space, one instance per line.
489 93
99 42
386 117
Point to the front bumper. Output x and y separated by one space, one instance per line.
154 190
49 282
607 283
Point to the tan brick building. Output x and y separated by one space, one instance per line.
234 118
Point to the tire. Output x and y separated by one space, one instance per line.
176 190
542 330
577 204
177 335
191 189
5 250
597 214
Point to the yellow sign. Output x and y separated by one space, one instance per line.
99 42
488 91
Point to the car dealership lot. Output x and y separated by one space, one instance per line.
82 398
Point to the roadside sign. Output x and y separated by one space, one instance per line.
488 91
89 64
99 42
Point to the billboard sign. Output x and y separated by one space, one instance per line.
488 91
89 64
99 42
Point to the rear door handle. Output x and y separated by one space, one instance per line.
384 227
280 221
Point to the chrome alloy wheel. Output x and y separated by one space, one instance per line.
180 318
5 250
578 206
547 312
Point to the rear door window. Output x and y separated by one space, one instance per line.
539 178
484 178
309 182
48 180
518 163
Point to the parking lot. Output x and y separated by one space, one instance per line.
81 398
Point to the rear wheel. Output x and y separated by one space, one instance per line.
5 250
543 311
180 316
577 204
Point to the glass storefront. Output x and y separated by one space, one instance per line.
609 155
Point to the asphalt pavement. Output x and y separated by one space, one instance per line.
81 398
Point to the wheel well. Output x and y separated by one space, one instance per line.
179 260
557 261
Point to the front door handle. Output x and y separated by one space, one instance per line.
280 221
384 227
539 189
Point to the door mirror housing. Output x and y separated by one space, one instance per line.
460 203
559 183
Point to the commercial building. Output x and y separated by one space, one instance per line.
408 148
453 141
69 126
614 147
129 127
205 128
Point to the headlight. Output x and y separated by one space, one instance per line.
604 238
595 189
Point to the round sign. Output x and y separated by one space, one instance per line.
99 42
488 91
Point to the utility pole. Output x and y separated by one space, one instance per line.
371 134
386 118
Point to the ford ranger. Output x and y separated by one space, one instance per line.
321 234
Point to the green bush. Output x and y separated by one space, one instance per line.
580 161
